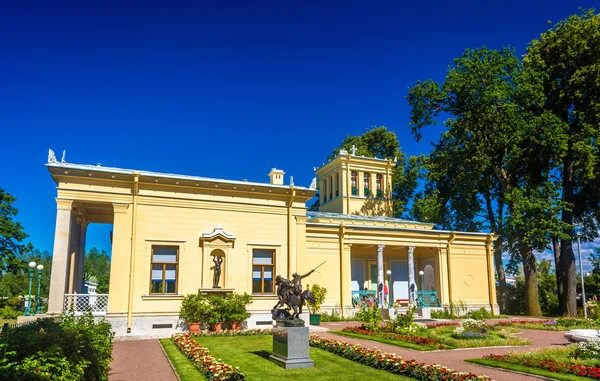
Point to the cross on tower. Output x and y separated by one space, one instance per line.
353 149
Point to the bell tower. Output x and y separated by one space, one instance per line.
351 184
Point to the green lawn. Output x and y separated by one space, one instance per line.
398 343
251 354
183 365
526 369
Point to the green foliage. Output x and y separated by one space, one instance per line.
443 314
481 314
370 316
12 235
7 312
96 268
319 293
195 308
66 348
235 307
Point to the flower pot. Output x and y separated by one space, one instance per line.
314 319
216 326
194 327
236 325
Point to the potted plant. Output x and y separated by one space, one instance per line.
235 309
319 294
194 310
215 317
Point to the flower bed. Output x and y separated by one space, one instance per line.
231 332
550 365
396 336
213 368
391 362
442 324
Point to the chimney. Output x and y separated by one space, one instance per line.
276 176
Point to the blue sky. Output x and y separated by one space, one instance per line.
223 89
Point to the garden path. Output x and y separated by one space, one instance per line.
140 360
455 358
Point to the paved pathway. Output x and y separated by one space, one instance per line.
142 360
455 358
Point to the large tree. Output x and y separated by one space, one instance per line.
381 143
96 267
488 144
12 235
564 63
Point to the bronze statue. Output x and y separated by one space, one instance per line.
218 260
290 294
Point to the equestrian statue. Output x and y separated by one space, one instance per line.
291 295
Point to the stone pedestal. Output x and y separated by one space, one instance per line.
425 313
290 348
215 291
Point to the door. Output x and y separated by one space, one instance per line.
399 280
358 275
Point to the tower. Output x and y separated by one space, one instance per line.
276 176
353 184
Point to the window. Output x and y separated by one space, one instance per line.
354 183
325 190
263 270
367 176
331 185
379 183
337 184
163 278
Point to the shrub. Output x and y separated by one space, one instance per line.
66 348
195 308
574 322
470 329
481 314
319 293
370 317
588 349
234 307
443 314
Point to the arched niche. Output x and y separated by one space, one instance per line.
214 259
216 243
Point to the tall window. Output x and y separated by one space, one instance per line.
354 183
263 270
367 176
331 187
325 190
337 184
164 270
379 185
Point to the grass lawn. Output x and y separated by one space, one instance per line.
526 369
183 366
398 343
251 355
552 327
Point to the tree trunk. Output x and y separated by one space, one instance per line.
502 289
559 277
532 303
567 258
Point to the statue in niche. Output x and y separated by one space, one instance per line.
218 261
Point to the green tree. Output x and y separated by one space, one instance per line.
488 141
381 143
12 235
563 66
547 287
97 265
592 281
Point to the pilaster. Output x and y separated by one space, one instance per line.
60 256
120 255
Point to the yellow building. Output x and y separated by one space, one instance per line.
168 229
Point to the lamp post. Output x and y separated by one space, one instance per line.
38 304
581 274
390 297
28 309
421 274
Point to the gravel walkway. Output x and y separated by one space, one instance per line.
455 358
140 360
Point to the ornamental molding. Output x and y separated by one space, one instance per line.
120 207
218 234
64 204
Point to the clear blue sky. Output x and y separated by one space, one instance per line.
222 89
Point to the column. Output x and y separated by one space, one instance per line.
490 268
74 254
81 257
120 260
60 256
360 184
412 286
380 274
346 277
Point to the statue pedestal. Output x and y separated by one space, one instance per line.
290 348
215 291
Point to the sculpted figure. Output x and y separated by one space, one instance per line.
218 260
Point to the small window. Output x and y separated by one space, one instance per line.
379 185
367 177
163 277
331 186
337 184
353 177
263 271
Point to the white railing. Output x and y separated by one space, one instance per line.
80 303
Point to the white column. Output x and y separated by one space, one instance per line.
60 256
412 285
380 274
